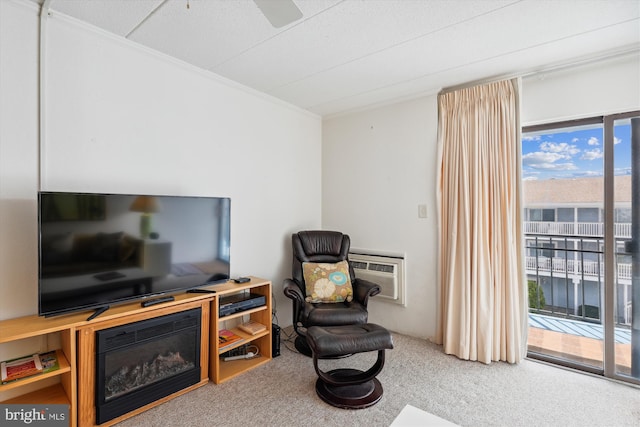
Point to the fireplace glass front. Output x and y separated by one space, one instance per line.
142 362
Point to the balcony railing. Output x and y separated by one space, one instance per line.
586 229
573 268
569 271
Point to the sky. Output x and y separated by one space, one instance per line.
574 153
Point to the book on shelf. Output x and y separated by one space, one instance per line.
49 362
227 338
20 367
252 327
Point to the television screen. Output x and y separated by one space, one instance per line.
100 249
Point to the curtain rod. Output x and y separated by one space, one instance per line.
627 51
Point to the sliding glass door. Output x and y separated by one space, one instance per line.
579 178
564 210
623 138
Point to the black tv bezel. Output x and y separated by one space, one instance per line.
117 301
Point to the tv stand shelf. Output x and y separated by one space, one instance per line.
65 391
63 369
52 394
76 356
223 371
246 339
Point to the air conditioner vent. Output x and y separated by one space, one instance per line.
358 264
381 267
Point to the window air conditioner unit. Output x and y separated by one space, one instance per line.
386 271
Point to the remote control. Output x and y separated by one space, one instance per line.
156 301
242 280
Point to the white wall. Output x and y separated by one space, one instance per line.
18 159
121 118
378 165
607 87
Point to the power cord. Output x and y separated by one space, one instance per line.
253 349
252 352
290 337
288 332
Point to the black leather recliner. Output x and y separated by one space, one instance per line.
324 247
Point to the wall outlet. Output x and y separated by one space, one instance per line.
422 211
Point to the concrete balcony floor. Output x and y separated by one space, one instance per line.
580 342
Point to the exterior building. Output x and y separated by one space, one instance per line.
564 235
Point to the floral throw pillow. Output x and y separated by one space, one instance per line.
327 282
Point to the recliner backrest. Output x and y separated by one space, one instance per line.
318 246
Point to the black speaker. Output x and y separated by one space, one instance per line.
275 340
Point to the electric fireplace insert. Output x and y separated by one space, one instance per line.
142 362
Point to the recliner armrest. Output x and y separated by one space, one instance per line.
363 289
293 291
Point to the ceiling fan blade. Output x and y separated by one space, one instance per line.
279 12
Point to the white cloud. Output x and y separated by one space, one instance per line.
562 148
622 171
550 156
587 174
592 154
546 161
593 141
531 138
575 140
541 157
616 140
557 166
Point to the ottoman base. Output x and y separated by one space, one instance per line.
356 396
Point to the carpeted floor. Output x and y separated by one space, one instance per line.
282 393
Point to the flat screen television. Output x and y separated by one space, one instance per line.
101 249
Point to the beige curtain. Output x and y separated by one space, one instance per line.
483 293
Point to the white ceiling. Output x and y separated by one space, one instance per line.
344 55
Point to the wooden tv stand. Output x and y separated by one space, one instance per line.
76 377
